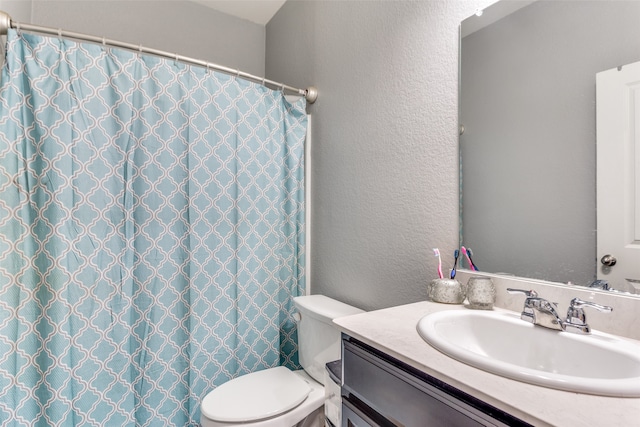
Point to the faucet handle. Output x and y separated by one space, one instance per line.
576 313
578 303
577 319
528 294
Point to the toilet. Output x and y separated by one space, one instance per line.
279 397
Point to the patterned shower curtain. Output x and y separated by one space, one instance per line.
151 234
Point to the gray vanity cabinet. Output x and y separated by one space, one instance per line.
379 390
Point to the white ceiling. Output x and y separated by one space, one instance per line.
258 11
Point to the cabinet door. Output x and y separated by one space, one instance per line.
403 399
354 417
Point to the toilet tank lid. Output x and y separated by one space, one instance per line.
324 308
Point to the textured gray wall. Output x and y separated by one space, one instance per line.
20 10
385 144
385 178
529 147
184 27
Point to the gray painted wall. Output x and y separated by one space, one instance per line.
184 27
385 144
385 178
20 10
529 147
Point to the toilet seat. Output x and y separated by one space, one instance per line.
255 396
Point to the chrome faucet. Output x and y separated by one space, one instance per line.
538 310
599 284
577 319
541 312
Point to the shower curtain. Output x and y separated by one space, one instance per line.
151 234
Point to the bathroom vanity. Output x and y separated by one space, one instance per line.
391 375
380 390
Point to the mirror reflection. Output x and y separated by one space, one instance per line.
534 137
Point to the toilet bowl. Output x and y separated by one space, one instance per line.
279 397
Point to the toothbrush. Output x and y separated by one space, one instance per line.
436 251
456 254
466 254
469 255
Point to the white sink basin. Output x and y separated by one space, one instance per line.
502 343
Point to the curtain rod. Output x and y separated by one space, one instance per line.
310 93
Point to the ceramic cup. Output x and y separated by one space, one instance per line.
481 293
448 291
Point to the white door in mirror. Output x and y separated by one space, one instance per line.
618 176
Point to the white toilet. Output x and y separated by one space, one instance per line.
279 397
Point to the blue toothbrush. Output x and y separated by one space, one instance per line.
473 264
456 254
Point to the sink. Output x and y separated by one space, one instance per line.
501 343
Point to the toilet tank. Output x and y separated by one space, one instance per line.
318 338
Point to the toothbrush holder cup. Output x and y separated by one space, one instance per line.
481 293
448 291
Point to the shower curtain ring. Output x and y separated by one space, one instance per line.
60 34
140 49
18 28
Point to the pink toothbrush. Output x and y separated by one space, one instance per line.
436 251
466 254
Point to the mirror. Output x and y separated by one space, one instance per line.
528 132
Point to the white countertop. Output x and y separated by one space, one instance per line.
393 331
